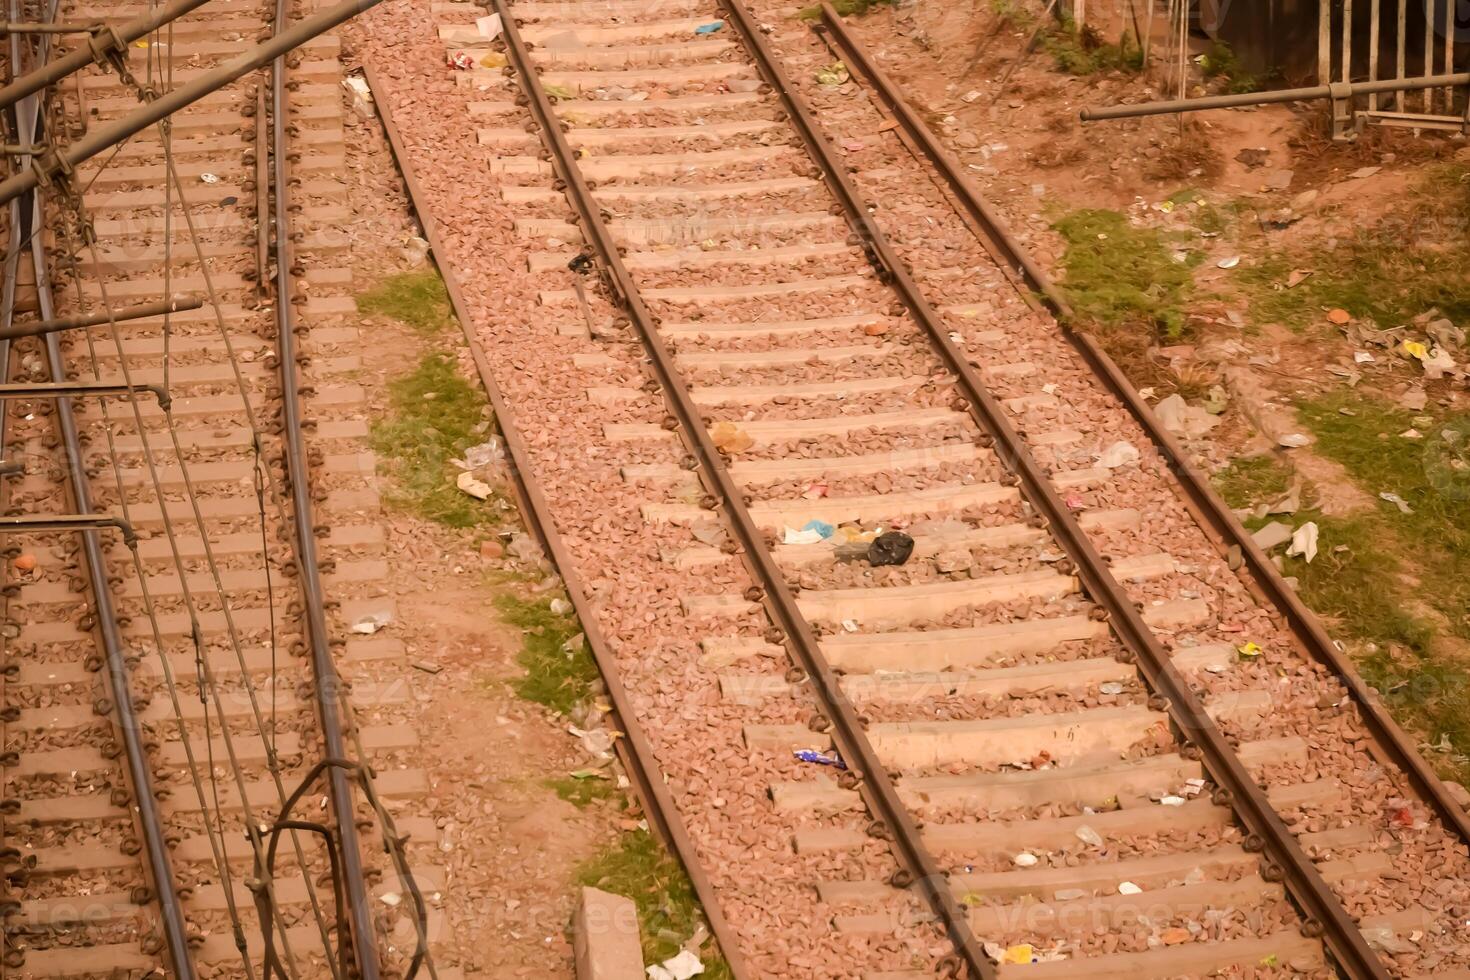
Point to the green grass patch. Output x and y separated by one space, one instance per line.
584 791
1400 583
559 674
846 8
1391 272
434 414
668 911
1123 277
1083 52
1252 480
1220 62
417 299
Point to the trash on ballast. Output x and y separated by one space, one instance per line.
1297 277
209 178
1363 357
597 742
810 533
473 485
25 562
1026 860
710 28
1397 501
462 60
1118 454
1304 542
1089 836
820 758
1229 263
1294 440
680 967
849 625
1183 419
427 666
890 548
814 490
1411 433
730 437
371 623
560 606
1171 800
853 145
362 96
489 26
1363 172
1021 953
834 74
524 547
1339 316
1129 888
559 91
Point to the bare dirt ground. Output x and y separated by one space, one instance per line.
509 844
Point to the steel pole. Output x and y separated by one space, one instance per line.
1341 90
52 72
166 105
61 323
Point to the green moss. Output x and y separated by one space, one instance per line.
1252 480
559 673
1120 276
846 8
668 910
434 415
417 299
1220 62
1391 272
584 790
1399 583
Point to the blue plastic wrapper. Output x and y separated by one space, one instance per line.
709 28
821 527
820 758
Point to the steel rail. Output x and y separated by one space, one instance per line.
1246 797
634 749
97 50
1214 515
27 118
1219 758
1336 90
116 652
328 687
839 716
60 163
61 323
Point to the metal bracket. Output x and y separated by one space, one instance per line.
109 49
49 165
30 524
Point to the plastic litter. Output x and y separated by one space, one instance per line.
1249 650
710 28
890 548
1304 542
1118 454
1129 888
1294 440
820 758
1397 501
1089 836
680 967
1111 687
730 437
1026 860
1171 801
1340 317
560 606
209 178
834 74
462 60
489 27
1021 953
1229 263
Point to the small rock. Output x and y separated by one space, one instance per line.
491 549
1272 535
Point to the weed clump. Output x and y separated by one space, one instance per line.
560 673
435 414
1119 276
417 299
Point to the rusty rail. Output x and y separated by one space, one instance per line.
634 749
1215 517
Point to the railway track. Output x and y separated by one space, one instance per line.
173 697
1050 718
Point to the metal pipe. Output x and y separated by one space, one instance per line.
103 138
1335 91
58 324
79 389
328 686
54 71
34 524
